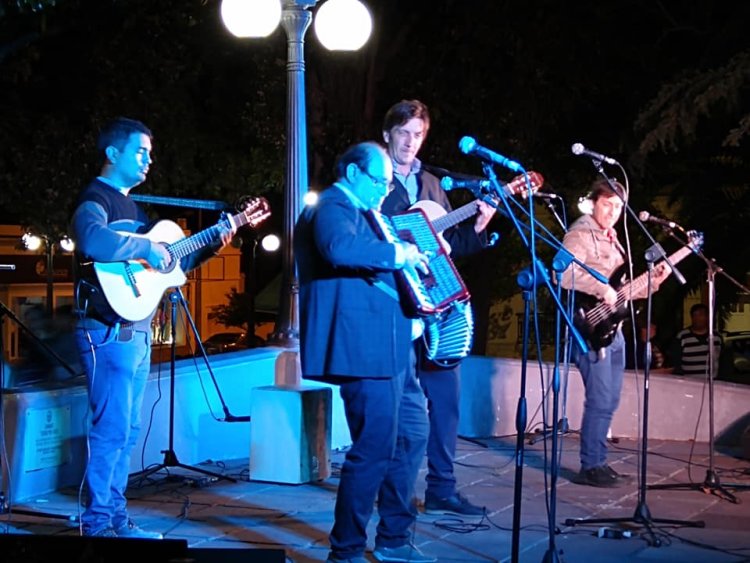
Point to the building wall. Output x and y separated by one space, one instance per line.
23 291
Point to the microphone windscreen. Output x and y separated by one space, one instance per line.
466 144
446 183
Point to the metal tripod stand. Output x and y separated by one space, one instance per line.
170 457
711 484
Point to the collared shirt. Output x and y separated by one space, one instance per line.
593 246
109 183
409 181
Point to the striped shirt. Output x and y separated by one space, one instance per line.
694 353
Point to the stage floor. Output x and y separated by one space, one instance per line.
296 518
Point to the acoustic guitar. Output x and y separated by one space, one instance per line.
133 288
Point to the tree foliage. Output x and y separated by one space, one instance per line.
662 83
235 312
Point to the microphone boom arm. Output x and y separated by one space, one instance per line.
506 211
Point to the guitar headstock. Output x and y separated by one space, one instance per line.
695 240
520 186
254 211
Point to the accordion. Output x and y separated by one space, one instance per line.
430 293
440 296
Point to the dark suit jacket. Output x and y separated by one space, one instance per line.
462 238
348 327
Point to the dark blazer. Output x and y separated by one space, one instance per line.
348 326
463 239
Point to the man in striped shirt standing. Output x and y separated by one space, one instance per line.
690 348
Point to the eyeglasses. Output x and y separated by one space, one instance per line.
379 182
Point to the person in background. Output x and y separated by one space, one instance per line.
634 358
690 346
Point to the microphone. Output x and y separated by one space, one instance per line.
645 217
579 149
468 145
448 184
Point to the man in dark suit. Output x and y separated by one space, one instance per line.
353 333
405 128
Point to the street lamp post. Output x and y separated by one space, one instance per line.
34 242
269 243
49 249
351 23
296 19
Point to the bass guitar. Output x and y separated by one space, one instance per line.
598 322
133 288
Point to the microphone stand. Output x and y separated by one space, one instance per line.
711 484
528 279
642 514
170 457
559 264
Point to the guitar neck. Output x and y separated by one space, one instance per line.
455 217
517 186
639 283
190 244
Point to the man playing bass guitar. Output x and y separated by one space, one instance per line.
592 239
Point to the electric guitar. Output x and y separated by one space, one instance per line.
133 288
442 220
598 322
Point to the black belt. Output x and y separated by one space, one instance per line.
126 332
126 329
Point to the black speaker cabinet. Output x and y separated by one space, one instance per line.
26 548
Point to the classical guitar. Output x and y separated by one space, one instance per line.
442 220
133 288
598 322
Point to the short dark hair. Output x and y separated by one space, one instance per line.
601 188
117 132
360 154
405 110
698 307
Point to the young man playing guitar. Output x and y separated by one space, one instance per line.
115 353
405 128
592 239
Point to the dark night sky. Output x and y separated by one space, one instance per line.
528 78
525 78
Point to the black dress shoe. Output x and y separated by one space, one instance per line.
622 477
456 504
597 477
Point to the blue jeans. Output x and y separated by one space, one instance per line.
602 378
441 386
388 425
116 376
